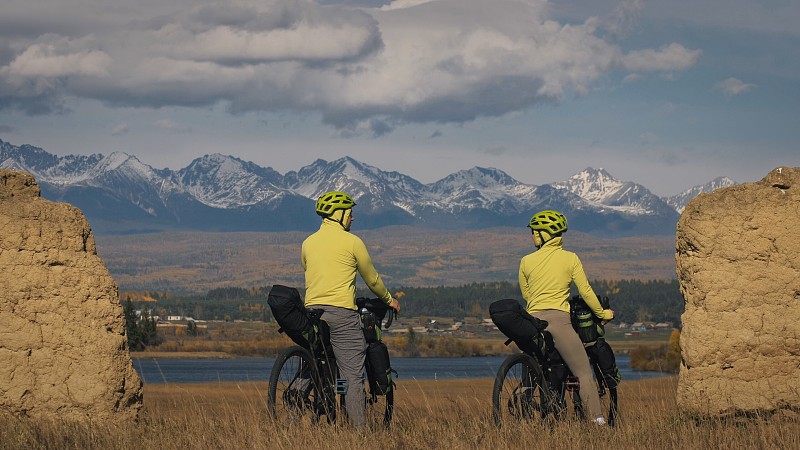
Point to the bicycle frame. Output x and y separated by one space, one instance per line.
562 381
529 384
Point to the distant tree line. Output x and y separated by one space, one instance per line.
226 303
632 300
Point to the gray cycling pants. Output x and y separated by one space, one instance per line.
573 353
350 349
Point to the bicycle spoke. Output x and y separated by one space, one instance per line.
292 398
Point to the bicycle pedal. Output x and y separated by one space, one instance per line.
341 386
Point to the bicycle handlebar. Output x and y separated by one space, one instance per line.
377 307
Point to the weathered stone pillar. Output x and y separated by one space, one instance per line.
738 263
63 350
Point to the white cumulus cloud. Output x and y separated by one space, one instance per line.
733 87
413 61
672 57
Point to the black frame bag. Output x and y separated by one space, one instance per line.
290 313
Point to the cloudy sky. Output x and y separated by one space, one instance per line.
669 94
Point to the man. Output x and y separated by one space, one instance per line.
331 257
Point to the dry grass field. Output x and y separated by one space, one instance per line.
429 415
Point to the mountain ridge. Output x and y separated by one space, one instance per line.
216 192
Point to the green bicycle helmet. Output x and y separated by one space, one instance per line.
550 221
333 201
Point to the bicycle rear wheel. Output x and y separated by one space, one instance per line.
294 396
520 390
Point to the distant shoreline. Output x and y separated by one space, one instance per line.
224 355
185 355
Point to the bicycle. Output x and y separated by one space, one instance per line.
304 382
535 383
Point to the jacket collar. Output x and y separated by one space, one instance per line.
328 223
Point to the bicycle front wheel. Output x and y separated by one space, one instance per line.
607 392
608 401
380 408
520 390
294 395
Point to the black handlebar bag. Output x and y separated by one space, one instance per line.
588 326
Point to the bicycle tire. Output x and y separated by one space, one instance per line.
520 390
606 383
294 395
380 407
609 401
613 407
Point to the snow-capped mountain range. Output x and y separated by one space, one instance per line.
119 193
679 201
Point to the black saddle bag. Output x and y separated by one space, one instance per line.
525 330
290 313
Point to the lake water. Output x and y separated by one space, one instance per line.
169 370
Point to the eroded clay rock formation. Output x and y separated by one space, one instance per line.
738 263
63 350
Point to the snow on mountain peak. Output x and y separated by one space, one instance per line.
226 182
679 201
595 185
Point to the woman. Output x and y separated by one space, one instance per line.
544 278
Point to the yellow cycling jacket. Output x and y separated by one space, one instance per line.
330 259
545 276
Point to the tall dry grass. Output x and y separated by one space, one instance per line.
430 414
